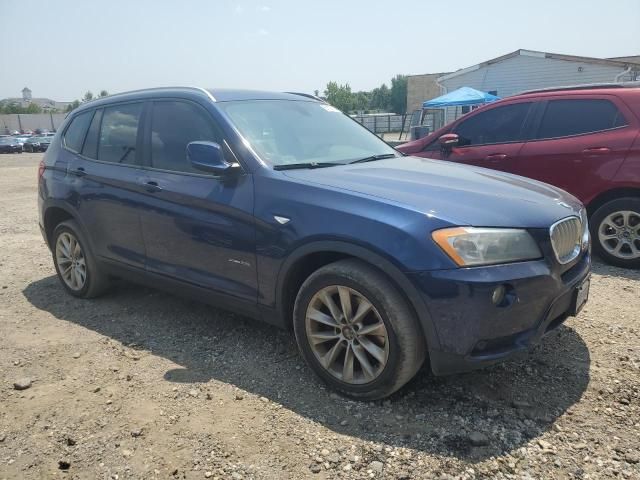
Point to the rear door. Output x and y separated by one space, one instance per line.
198 228
579 143
107 170
492 138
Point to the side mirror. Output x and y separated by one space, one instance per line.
208 157
449 140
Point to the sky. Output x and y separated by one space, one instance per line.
62 48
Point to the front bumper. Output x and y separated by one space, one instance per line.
473 332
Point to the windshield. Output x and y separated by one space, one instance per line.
286 132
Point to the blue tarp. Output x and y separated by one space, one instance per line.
462 96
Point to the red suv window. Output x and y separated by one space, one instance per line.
564 118
497 125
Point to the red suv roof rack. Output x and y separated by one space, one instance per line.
587 86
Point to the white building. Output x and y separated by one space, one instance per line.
528 70
27 99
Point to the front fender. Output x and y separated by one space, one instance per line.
376 259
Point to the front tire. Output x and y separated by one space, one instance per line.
76 266
615 229
356 331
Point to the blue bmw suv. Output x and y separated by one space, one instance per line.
279 207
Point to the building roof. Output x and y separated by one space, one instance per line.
630 58
622 62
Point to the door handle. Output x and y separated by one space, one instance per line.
596 151
79 172
152 186
496 157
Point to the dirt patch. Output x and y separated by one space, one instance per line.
141 384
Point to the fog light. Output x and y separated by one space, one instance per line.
498 295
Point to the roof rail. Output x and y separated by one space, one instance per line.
307 95
586 86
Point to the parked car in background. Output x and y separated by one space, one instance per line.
279 206
21 139
37 144
585 140
10 145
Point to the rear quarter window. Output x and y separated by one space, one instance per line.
565 118
75 133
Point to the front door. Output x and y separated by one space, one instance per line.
492 138
197 228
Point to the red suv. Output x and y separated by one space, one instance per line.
585 140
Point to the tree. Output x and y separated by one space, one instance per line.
361 101
72 106
103 93
339 96
381 98
33 108
398 94
14 107
87 96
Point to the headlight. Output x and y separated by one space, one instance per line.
469 246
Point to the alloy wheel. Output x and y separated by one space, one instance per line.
71 261
347 334
619 234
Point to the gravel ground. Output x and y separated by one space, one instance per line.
141 384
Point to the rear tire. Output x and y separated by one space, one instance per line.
356 331
75 264
615 231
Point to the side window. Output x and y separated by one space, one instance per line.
90 148
498 125
564 118
74 136
174 124
118 133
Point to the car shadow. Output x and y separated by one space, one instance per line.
599 267
470 416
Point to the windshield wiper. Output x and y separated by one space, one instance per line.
371 158
293 166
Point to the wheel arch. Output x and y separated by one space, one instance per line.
610 195
54 214
309 257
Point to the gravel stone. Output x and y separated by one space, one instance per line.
22 384
632 457
478 439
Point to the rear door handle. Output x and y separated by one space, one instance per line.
596 151
152 186
79 172
496 157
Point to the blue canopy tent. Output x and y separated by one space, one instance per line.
464 96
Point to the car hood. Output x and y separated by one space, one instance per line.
456 193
